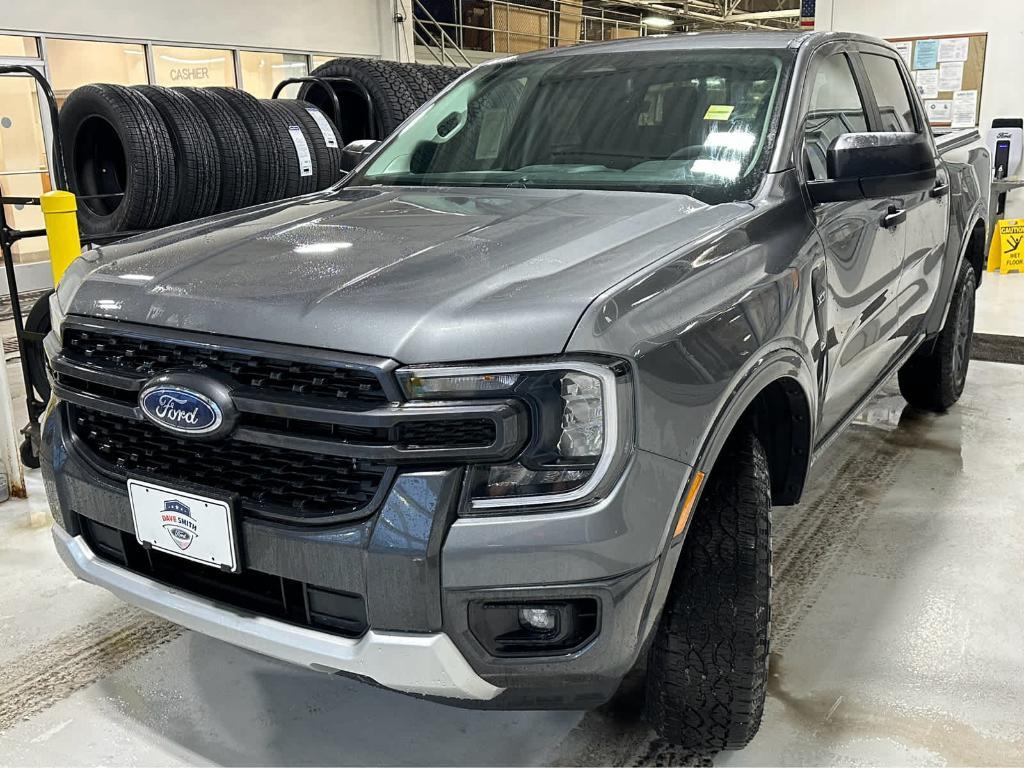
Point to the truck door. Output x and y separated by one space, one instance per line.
864 247
927 212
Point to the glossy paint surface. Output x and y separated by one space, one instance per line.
417 275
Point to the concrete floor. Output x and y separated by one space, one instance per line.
898 618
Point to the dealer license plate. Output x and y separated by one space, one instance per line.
196 528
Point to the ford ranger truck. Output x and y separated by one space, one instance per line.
501 418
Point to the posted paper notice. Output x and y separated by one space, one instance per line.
927 83
906 49
954 48
965 109
951 75
939 111
926 54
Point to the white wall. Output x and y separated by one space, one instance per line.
1003 86
329 26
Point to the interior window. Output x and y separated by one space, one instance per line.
836 108
891 93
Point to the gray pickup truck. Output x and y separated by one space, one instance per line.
501 419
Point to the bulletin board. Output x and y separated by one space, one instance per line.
949 71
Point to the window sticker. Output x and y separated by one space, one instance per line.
719 112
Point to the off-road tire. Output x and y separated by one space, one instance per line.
294 183
393 101
708 664
442 76
327 159
234 148
266 143
195 152
420 84
115 142
933 379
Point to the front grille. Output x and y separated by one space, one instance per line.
464 433
357 388
296 602
271 482
314 437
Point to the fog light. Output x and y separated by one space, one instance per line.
551 627
543 619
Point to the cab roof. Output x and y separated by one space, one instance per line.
696 41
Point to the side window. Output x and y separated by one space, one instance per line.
836 108
891 93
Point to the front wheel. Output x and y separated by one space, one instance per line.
934 380
708 665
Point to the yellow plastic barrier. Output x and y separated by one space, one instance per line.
60 211
1006 254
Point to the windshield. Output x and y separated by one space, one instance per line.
692 122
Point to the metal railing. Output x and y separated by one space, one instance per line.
430 33
501 26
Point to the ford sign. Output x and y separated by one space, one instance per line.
180 410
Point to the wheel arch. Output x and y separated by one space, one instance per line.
775 401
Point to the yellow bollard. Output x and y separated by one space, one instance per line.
60 213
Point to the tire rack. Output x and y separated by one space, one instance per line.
325 83
30 339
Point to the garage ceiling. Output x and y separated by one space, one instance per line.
696 15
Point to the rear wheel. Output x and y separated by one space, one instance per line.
935 379
708 665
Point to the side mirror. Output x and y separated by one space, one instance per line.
872 165
353 153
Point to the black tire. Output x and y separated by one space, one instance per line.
708 664
27 451
234 148
393 101
420 84
442 76
38 322
328 158
283 117
266 142
115 143
933 379
195 153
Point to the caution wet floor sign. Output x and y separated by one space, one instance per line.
1006 254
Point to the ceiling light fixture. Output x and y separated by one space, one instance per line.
657 21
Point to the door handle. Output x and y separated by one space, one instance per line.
894 217
941 189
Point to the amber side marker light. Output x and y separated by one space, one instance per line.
687 506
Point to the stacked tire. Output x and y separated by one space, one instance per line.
145 156
395 91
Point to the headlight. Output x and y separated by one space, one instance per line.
581 426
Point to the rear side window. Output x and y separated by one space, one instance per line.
891 93
836 108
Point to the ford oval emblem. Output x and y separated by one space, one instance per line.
180 410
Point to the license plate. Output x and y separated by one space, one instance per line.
197 528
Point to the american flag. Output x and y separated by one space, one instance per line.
807 13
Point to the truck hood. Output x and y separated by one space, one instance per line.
417 275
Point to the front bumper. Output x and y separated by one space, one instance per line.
418 566
427 664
